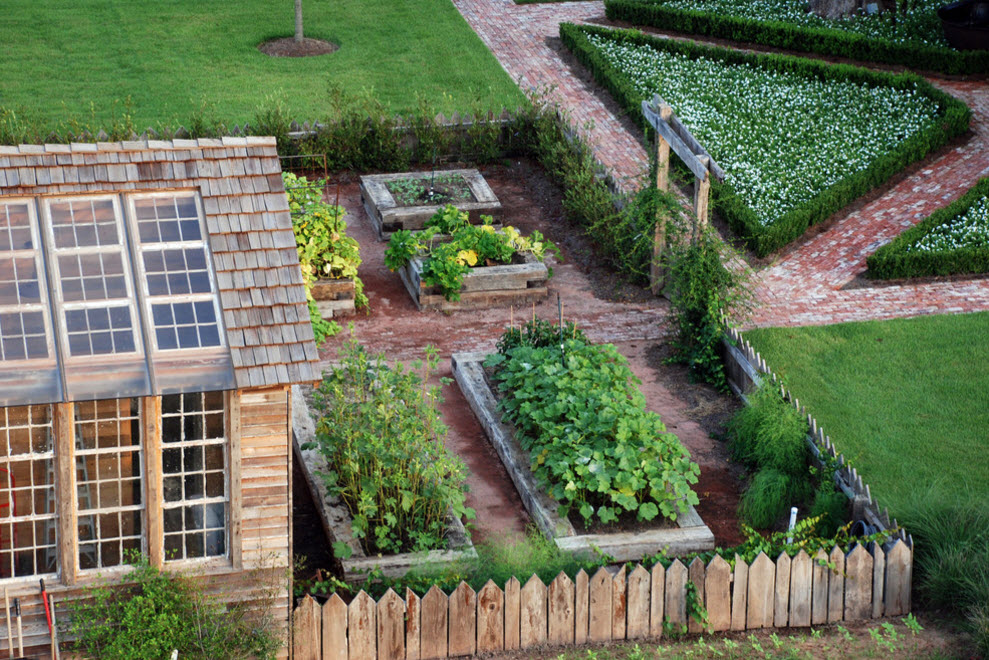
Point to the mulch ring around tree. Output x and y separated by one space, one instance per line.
289 47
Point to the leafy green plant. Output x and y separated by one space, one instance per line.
591 442
325 250
769 432
767 498
380 430
538 333
150 613
444 263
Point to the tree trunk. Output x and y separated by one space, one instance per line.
298 20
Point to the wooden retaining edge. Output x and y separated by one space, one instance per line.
387 216
491 286
335 518
746 369
691 534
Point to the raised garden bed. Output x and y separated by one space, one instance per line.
483 287
336 519
405 209
688 534
334 297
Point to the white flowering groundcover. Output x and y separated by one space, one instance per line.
912 35
952 240
798 140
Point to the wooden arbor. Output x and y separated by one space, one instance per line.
672 134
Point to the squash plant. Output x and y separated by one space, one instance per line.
325 250
451 246
592 443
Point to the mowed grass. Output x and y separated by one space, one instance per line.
906 400
65 59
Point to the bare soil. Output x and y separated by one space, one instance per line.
607 307
289 47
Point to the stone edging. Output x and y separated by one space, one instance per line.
692 535
336 519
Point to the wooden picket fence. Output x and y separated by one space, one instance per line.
610 605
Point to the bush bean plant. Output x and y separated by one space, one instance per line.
592 443
953 239
380 430
798 139
325 250
445 262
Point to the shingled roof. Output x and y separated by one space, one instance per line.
239 182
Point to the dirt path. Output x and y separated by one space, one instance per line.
607 309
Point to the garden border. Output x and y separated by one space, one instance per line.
790 36
336 520
745 369
764 239
691 534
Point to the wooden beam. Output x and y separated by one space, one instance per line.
236 501
702 194
65 461
688 138
153 500
677 144
657 273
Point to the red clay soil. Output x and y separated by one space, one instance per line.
605 307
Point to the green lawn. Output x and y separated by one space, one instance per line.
59 57
907 400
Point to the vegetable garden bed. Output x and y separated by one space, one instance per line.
381 198
336 519
798 139
688 534
952 240
483 287
333 297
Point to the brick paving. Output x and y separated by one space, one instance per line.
808 284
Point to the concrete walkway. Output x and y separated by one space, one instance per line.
808 284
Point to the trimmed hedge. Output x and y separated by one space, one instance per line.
780 34
892 260
764 239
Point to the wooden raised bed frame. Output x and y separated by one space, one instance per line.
334 296
483 287
388 217
336 520
688 536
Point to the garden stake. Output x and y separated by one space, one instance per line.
10 635
20 628
55 653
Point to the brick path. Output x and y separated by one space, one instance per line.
806 285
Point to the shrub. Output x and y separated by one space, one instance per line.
380 431
151 613
769 433
781 34
830 506
900 258
591 442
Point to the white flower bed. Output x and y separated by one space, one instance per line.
970 229
919 24
782 138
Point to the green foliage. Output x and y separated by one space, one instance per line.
769 432
767 498
325 250
380 430
831 506
703 293
780 34
151 613
592 443
951 558
763 239
538 333
895 259
445 262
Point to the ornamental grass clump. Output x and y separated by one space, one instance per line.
593 445
380 430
